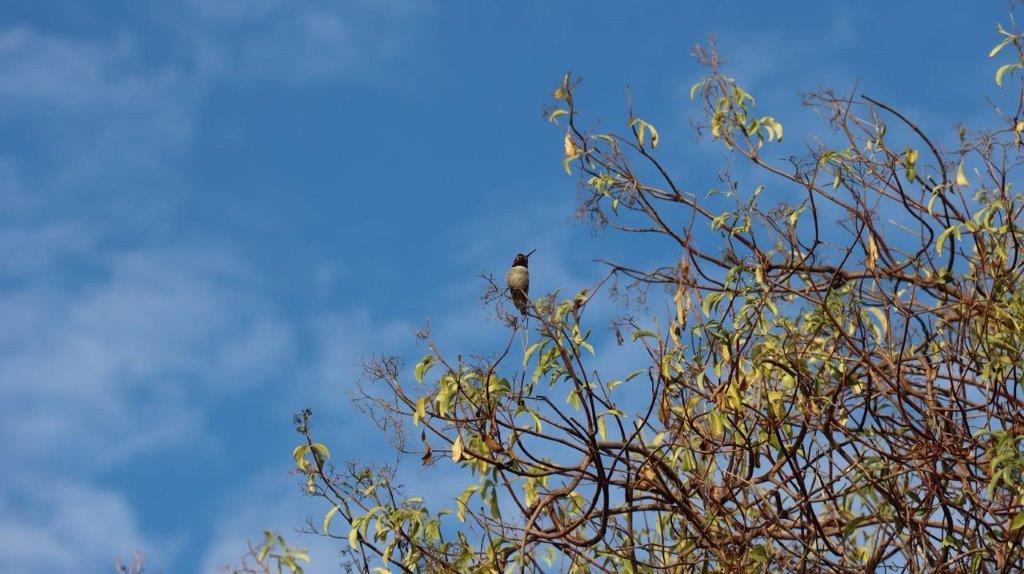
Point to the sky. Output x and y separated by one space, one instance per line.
212 210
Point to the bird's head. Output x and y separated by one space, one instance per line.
523 259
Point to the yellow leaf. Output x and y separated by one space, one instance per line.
879 314
353 535
961 179
571 150
457 449
872 253
421 410
910 163
327 519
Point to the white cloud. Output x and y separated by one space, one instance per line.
94 102
95 373
115 357
61 526
342 342
116 341
282 508
317 41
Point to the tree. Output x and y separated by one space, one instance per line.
834 388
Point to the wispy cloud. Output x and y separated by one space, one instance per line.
112 358
49 525
120 338
319 41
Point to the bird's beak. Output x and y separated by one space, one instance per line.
530 253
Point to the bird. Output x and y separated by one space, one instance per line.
518 281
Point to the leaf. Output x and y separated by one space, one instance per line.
327 519
872 260
879 314
910 163
457 449
531 350
573 399
644 333
553 116
321 450
655 138
571 151
641 127
421 410
1002 71
299 454
995 51
695 88
422 367
954 230
462 501
353 535
852 525
266 547
961 179
1017 522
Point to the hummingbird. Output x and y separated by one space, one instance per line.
518 281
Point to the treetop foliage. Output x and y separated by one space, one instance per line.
834 386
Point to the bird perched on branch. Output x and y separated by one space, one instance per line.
518 281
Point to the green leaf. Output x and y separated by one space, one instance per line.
327 519
952 230
462 501
265 548
644 333
533 349
995 51
422 367
588 347
910 163
1003 70
695 88
573 399
1017 522
553 116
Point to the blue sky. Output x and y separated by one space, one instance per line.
212 209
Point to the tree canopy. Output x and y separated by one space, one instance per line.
832 349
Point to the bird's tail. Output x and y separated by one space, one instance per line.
521 301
